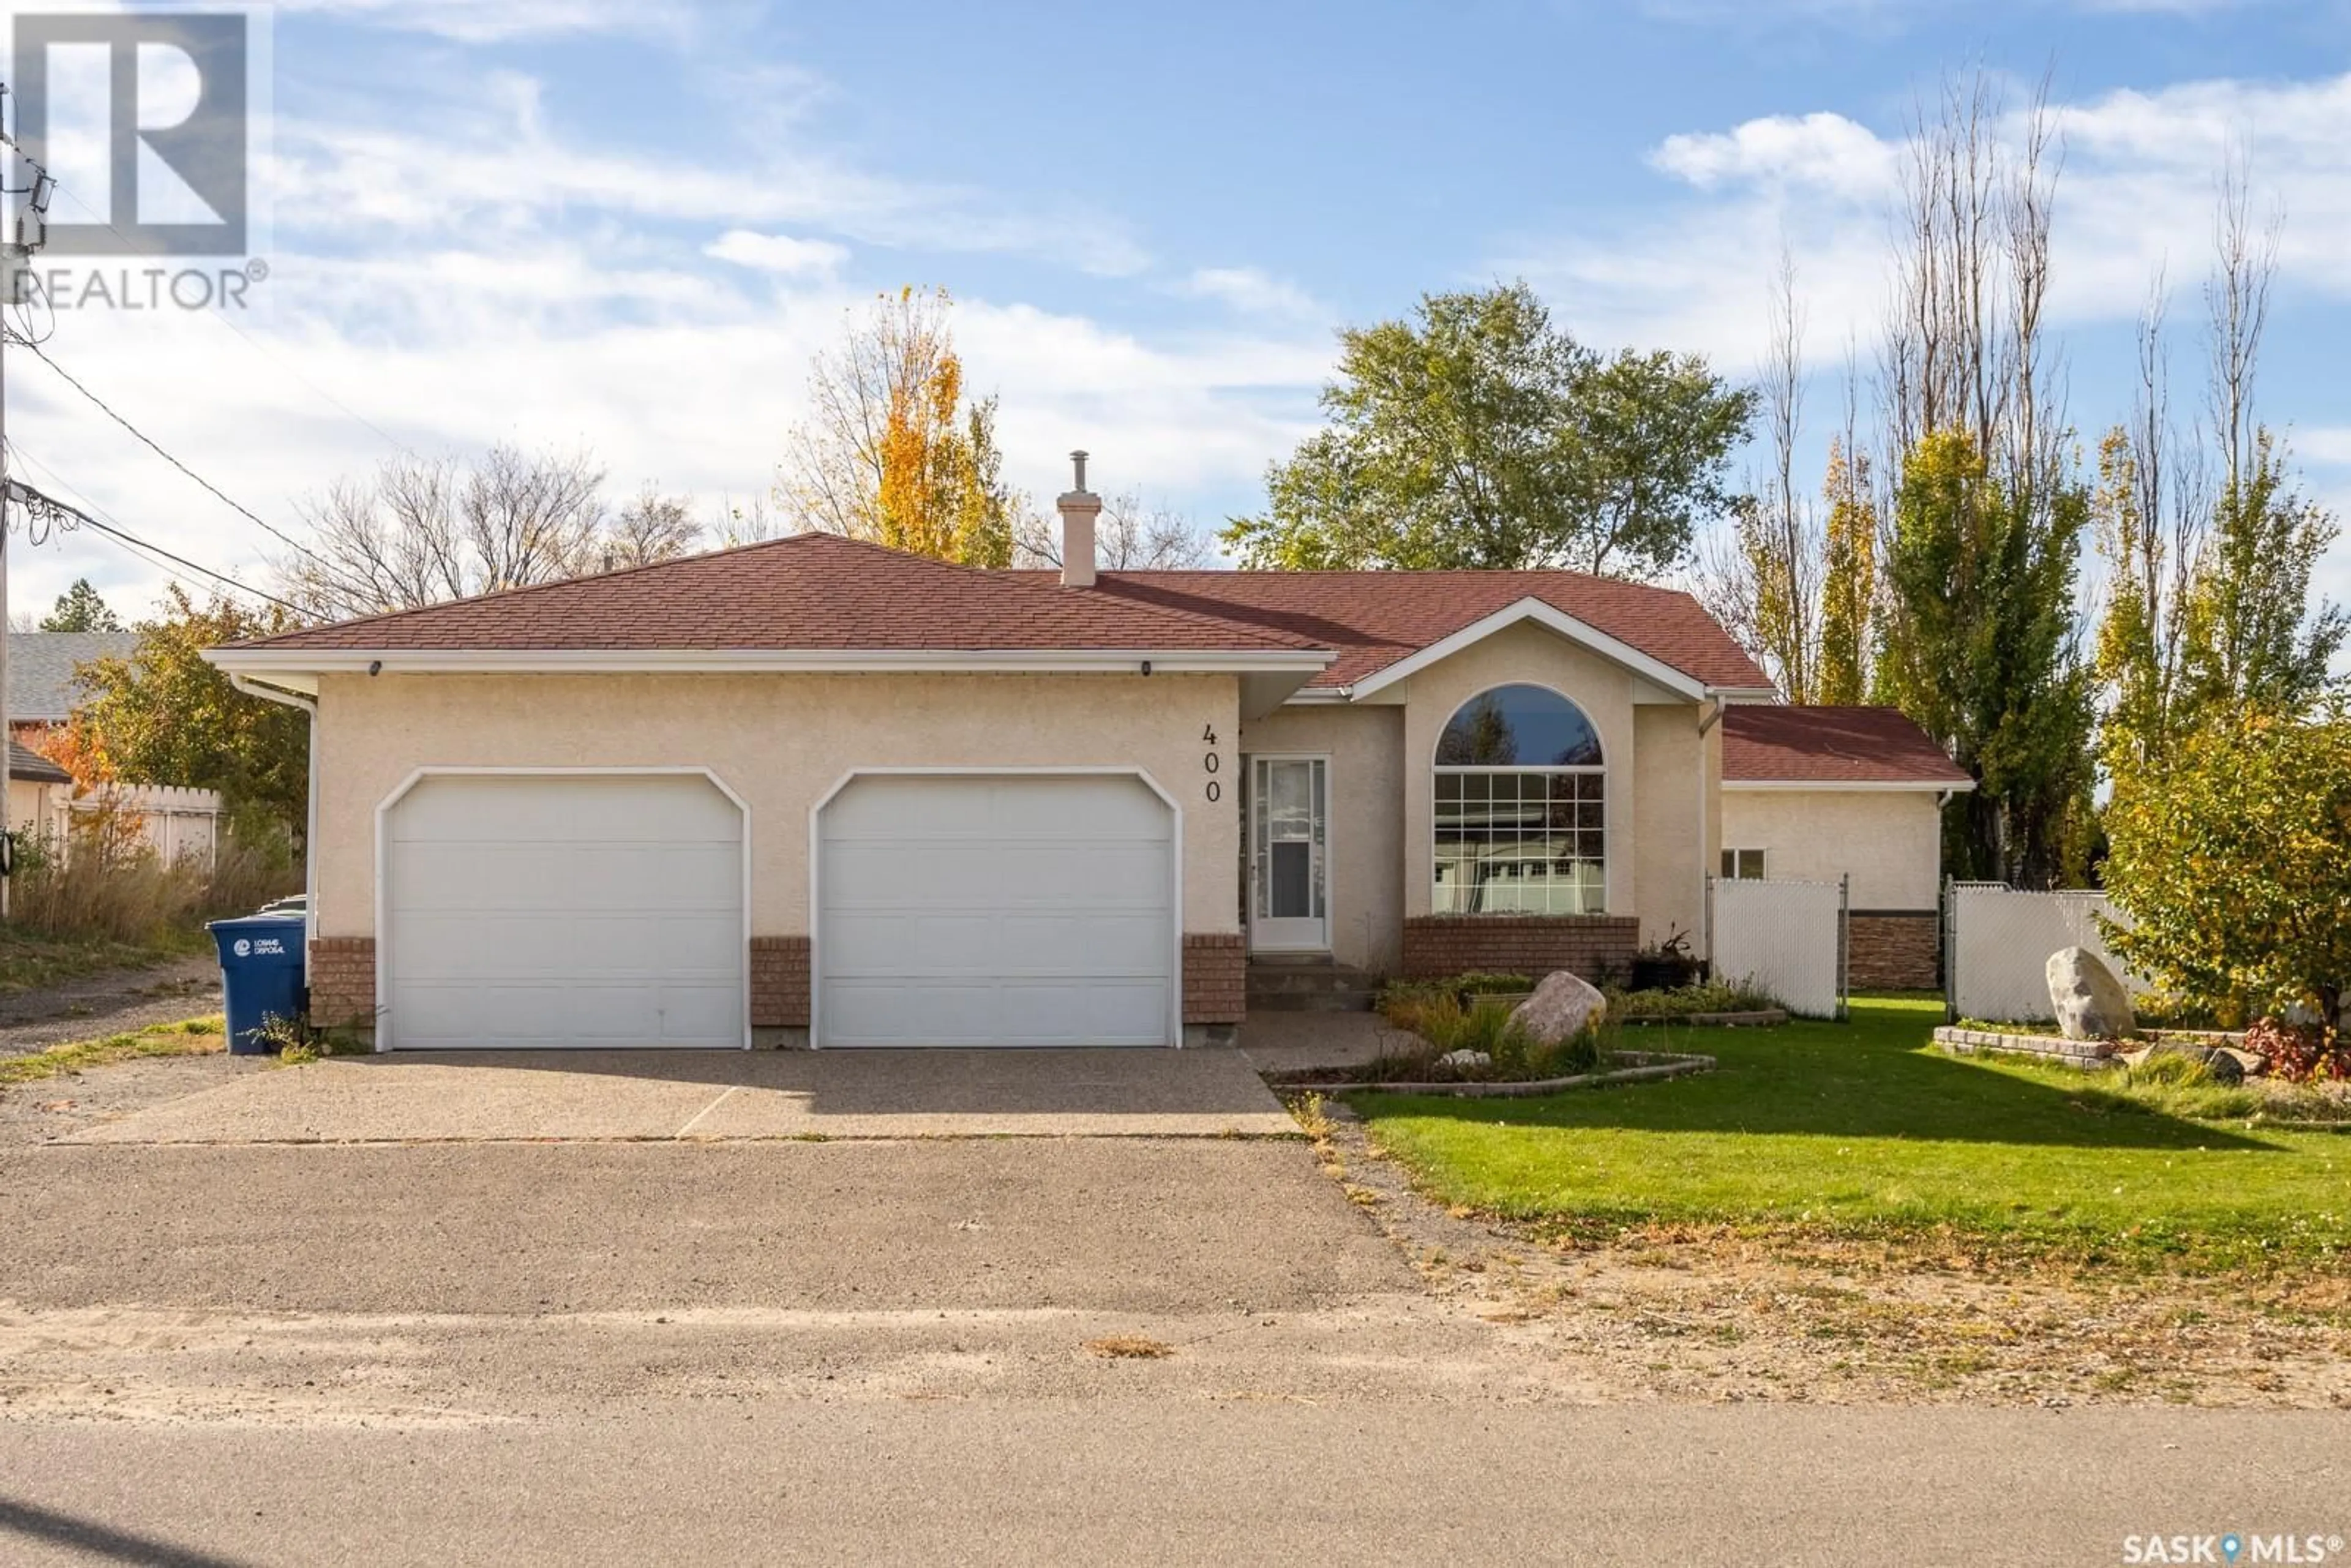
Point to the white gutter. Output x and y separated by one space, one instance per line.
1851 785
310 705
295 663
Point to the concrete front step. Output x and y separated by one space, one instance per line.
1310 1002
1311 984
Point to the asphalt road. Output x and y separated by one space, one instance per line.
844 1352
1232 1482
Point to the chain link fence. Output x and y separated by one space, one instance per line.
1784 938
1997 942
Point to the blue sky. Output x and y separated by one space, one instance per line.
626 227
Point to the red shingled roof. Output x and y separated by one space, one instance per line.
1372 619
811 591
822 591
1769 743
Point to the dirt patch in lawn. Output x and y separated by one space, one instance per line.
114 1001
1720 1314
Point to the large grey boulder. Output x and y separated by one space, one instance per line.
2088 997
1563 1007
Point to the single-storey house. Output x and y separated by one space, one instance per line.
817 791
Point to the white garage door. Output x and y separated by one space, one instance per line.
573 910
996 910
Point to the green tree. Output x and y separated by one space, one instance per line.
1479 435
1983 573
1848 580
79 609
163 716
2231 864
2253 639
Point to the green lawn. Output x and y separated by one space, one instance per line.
1861 1129
190 1037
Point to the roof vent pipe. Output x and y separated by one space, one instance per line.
1079 508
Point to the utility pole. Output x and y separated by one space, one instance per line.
31 231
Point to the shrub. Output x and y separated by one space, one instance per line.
106 885
1683 1001
1490 984
1436 1016
2297 1055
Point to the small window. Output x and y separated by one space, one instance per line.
1742 865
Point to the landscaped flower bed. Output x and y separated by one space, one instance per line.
1421 1074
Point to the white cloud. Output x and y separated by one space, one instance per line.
2329 445
498 21
488 156
1250 289
1826 151
778 253
2135 193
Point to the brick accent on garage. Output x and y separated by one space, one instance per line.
1894 949
343 981
779 982
1591 945
1216 977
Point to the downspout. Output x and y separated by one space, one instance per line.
308 705
1708 716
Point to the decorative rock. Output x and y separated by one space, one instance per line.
1562 1007
1465 1059
2090 1002
2223 1066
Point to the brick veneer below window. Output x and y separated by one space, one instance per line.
343 981
1592 946
1893 950
779 982
1216 977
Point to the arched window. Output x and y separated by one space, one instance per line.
1521 823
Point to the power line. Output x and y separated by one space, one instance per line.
156 447
153 552
221 316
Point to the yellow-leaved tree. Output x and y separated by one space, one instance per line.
893 451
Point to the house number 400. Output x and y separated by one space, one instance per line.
1210 762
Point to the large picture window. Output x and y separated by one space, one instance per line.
1521 818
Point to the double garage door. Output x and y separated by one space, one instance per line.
608 910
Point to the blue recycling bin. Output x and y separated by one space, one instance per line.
261 975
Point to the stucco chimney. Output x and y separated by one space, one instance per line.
1078 507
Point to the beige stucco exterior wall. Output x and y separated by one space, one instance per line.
781 742
1640 800
1365 746
1673 819
1889 842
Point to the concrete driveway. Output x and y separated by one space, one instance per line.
502 1097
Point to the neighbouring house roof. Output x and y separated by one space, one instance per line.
1767 744
33 768
819 592
41 685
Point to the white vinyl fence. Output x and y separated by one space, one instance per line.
177 823
1997 948
1784 938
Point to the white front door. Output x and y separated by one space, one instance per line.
1289 855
